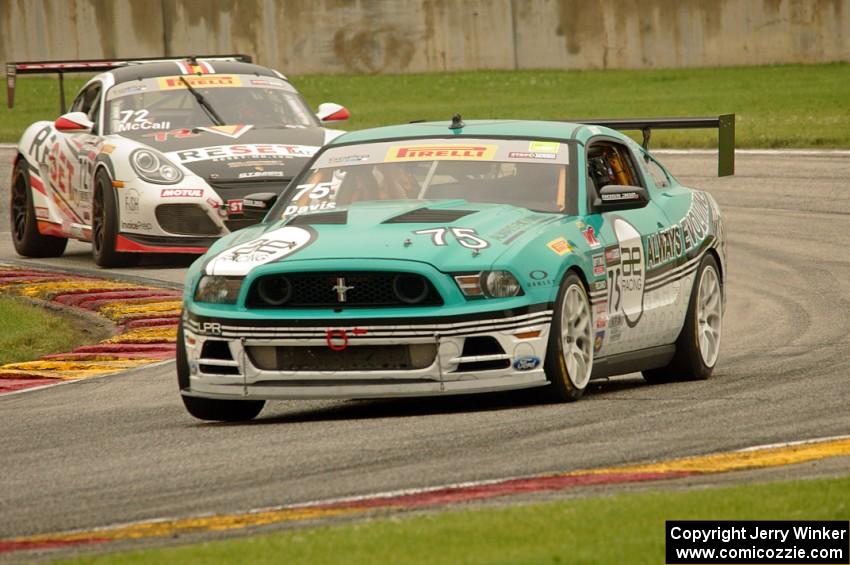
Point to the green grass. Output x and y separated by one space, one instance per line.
777 106
627 528
27 332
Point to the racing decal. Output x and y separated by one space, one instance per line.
598 341
107 149
134 120
131 200
508 233
234 207
538 150
312 197
560 246
627 277
526 363
337 338
467 237
181 192
136 226
600 285
539 278
259 174
225 152
196 68
233 132
445 152
203 81
272 246
590 236
598 265
162 136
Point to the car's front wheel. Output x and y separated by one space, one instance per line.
698 346
209 408
26 238
105 226
569 355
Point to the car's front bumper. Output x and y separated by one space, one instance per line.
451 363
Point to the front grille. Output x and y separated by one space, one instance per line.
354 358
185 219
359 289
237 224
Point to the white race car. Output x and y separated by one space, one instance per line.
156 155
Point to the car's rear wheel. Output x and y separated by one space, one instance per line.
208 408
698 346
105 226
569 355
26 238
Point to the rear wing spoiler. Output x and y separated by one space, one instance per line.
725 125
91 66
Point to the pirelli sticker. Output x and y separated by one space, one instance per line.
441 152
202 81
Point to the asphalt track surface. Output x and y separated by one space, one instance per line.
121 448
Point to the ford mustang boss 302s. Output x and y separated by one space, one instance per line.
423 260
156 155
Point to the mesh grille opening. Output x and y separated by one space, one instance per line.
185 219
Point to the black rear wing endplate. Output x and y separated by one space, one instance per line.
725 125
91 66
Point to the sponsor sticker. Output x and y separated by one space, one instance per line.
544 146
531 155
234 207
598 265
41 213
590 236
348 159
181 193
228 131
446 152
258 174
233 152
600 285
560 246
203 81
527 363
272 246
136 226
612 255
131 200
598 341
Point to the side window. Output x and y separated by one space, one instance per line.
609 162
92 103
77 106
658 174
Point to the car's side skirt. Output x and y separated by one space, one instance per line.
633 361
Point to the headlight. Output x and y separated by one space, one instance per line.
493 284
218 290
154 167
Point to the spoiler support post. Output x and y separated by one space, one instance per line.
725 124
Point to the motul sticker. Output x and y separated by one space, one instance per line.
181 193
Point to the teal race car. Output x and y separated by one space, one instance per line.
446 258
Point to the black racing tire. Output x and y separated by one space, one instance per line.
689 363
105 226
208 408
26 238
572 302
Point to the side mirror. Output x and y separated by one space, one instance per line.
258 204
614 197
73 122
330 112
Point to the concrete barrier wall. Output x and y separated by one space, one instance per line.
396 36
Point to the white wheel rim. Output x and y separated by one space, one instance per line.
577 336
709 316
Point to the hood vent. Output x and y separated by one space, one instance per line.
428 216
324 218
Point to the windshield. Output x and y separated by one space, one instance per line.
163 104
527 173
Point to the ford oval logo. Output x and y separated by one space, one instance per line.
526 363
